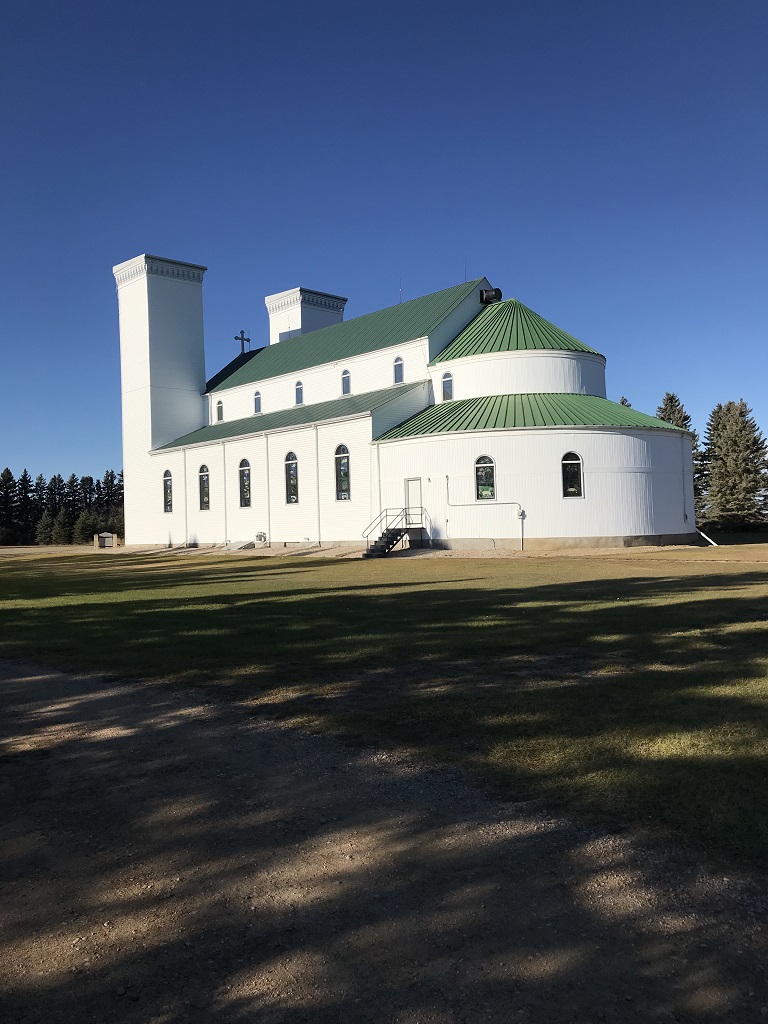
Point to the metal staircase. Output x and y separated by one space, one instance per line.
393 524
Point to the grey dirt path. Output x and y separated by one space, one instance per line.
166 857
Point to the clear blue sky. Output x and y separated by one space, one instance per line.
603 162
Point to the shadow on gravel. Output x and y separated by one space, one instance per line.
638 699
168 859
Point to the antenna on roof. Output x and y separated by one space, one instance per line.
242 339
401 289
465 270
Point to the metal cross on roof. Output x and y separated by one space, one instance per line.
242 339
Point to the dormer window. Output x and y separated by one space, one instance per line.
346 383
257 403
447 387
399 372
219 412
299 393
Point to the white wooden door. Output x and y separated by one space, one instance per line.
413 501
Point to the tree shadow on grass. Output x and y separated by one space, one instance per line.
171 859
640 701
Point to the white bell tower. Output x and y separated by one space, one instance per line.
162 367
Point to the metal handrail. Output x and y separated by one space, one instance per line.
390 518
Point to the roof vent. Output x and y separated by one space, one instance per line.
489 295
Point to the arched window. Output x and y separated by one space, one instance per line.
342 473
167 491
291 479
447 387
299 393
205 490
572 475
346 383
485 479
398 367
256 403
219 412
244 472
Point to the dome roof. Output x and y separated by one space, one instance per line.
509 326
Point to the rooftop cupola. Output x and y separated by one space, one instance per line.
300 310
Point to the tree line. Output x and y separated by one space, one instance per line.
730 466
59 511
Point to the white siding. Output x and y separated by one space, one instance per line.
370 372
510 373
633 482
162 380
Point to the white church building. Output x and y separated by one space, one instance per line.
458 419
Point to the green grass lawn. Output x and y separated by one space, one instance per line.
630 688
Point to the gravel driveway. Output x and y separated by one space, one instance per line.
167 857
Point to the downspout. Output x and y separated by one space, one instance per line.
269 516
682 473
317 482
378 470
473 504
224 464
186 498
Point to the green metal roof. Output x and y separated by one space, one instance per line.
509 326
298 415
393 326
505 412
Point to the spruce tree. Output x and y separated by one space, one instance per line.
44 532
85 527
673 411
109 493
55 494
25 512
735 467
72 500
87 491
39 498
8 532
61 532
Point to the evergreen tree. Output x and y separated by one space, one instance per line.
87 491
85 527
39 498
25 512
98 498
61 532
44 532
72 502
116 524
673 411
109 493
625 402
7 507
55 494
734 467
